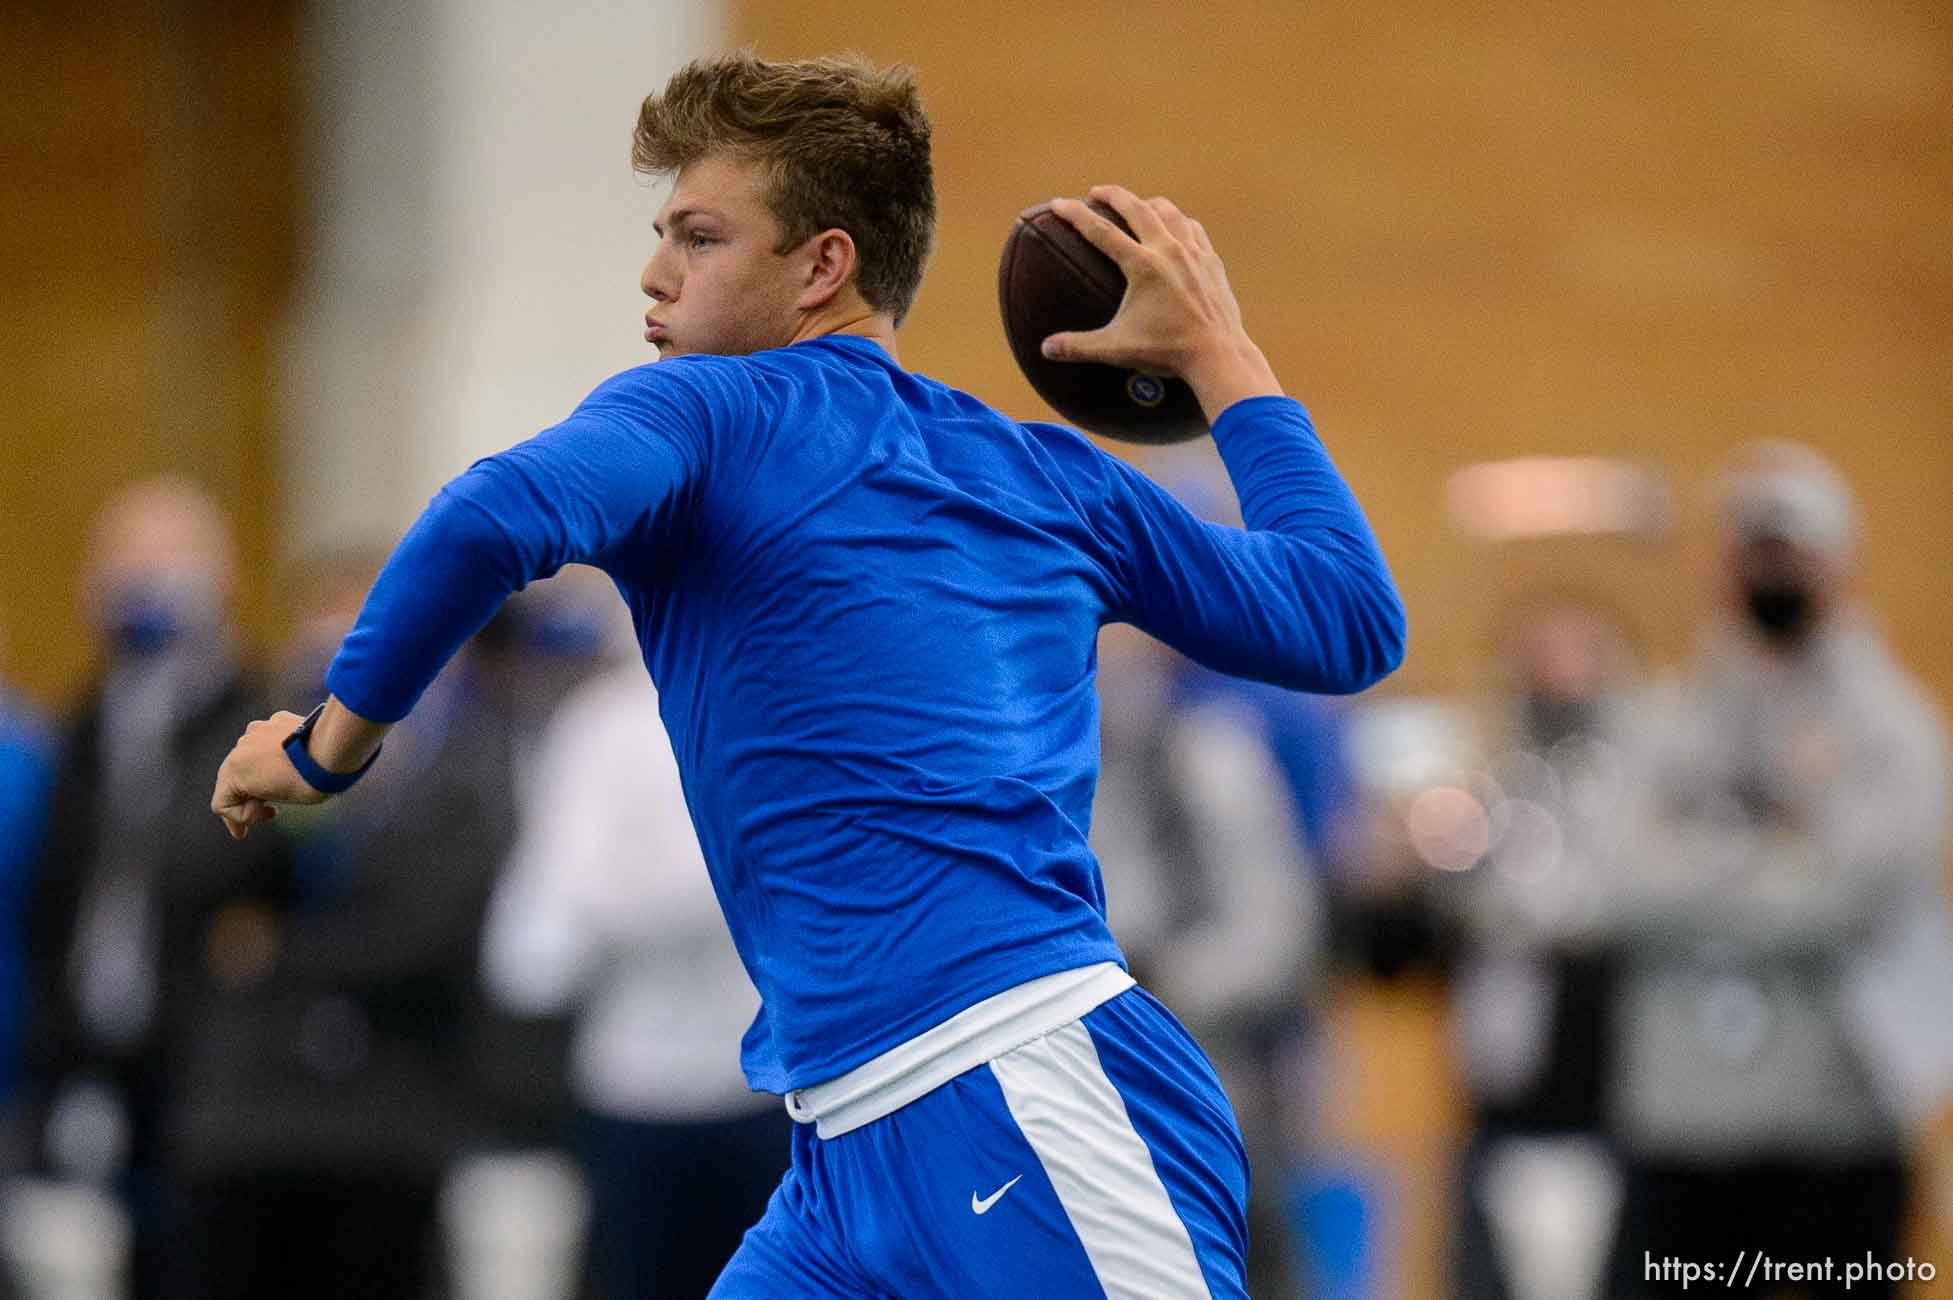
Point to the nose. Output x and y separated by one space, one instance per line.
656 280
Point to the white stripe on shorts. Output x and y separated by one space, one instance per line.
1077 1123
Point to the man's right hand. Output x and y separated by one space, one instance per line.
257 774
1179 315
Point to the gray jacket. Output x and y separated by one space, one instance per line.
1788 813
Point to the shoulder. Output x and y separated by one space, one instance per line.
24 729
1907 714
713 376
1062 440
28 754
710 383
1083 465
692 407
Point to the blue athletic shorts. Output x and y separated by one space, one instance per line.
1099 1160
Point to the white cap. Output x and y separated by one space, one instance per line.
1785 490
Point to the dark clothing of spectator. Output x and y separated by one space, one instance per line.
132 874
309 1237
331 1077
1781 1210
657 1233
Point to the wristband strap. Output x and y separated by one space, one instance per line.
315 776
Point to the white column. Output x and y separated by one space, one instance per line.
477 240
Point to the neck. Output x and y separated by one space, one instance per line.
853 318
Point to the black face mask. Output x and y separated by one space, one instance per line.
1550 719
1781 610
143 620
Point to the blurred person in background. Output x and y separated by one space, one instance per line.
564 632
26 777
1534 980
1210 893
121 905
513 1208
607 912
1792 819
326 1075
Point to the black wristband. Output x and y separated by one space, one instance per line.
315 776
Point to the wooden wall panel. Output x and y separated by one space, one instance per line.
149 234
1479 231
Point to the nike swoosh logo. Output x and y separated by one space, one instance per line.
983 1206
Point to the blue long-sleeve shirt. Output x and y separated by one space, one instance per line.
870 603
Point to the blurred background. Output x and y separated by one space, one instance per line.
276 272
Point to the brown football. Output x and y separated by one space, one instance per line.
1051 279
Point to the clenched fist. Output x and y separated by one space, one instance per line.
257 775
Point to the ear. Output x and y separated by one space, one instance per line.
831 263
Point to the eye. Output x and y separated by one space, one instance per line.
696 241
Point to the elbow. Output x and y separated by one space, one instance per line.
1382 656
1392 637
1378 637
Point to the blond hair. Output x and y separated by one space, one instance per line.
842 144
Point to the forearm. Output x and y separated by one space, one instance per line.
445 580
1696 884
577 492
1328 566
1301 597
342 741
1230 371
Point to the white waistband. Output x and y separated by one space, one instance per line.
1000 1023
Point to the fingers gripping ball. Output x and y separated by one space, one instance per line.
1051 279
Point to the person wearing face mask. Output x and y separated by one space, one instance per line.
120 930
1787 829
327 1079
